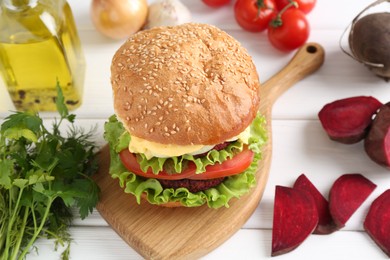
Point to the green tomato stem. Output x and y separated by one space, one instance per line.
261 4
277 21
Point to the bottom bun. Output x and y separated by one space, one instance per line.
171 204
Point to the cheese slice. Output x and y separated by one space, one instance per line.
153 149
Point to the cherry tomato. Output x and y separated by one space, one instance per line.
254 15
289 31
216 3
232 166
304 5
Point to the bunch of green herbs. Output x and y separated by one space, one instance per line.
43 175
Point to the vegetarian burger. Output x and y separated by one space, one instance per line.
187 130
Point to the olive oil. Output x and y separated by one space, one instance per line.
39 46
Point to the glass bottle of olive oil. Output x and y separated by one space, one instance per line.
39 46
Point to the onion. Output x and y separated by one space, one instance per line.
167 13
118 19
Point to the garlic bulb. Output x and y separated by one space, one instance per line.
167 13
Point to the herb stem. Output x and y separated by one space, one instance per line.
13 214
38 231
21 230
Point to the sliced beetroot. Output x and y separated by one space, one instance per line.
347 120
377 222
295 218
325 221
346 195
377 142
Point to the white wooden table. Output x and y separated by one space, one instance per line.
300 144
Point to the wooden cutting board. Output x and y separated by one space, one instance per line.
177 233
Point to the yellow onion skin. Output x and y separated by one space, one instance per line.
118 19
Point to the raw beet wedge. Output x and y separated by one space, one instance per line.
377 142
326 224
347 120
377 222
295 218
346 195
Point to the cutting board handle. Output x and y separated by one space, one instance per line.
307 59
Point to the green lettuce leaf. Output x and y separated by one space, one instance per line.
219 196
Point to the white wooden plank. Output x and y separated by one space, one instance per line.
103 243
256 244
89 243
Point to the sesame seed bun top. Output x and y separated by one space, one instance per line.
183 85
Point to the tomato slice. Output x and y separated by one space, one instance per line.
232 166
239 163
129 160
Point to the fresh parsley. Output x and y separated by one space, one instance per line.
42 176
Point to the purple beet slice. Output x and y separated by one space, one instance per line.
346 195
325 220
295 218
377 222
377 142
347 120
